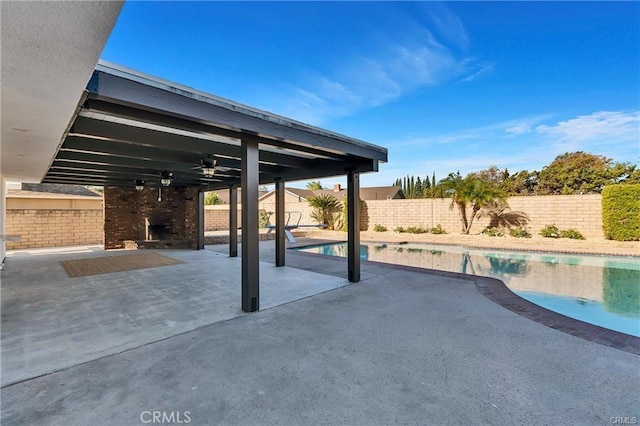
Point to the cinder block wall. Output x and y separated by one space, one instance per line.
127 213
580 212
217 217
54 227
64 227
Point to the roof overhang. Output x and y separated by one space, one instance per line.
130 126
49 51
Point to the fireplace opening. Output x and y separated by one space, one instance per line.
159 231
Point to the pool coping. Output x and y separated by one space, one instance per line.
566 251
498 292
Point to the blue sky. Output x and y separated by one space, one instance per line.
444 86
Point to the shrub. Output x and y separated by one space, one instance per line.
571 233
416 230
263 219
326 208
493 232
379 228
520 232
344 224
212 199
550 231
621 212
437 230
399 229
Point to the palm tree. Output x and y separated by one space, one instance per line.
471 195
325 209
314 185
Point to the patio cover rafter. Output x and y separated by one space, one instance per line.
134 124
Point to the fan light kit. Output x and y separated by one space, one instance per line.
139 185
208 167
166 178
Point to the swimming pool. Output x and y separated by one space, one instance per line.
601 290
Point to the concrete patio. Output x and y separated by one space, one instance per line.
402 346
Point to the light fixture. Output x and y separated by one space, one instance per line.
139 185
166 178
208 167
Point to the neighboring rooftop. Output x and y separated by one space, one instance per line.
47 189
370 193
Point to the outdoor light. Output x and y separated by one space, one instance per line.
166 178
208 167
139 185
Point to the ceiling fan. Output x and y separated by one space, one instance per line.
209 166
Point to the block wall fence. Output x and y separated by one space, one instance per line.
580 212
64 227
54 227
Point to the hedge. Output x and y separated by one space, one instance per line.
621 212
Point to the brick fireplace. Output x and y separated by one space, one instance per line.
149 219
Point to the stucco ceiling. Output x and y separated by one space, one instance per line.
49 51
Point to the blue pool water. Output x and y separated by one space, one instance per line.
601 290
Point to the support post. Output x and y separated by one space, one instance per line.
200 240
280 225
233 221
250 247
353 231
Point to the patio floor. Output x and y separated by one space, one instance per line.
51 321
402 346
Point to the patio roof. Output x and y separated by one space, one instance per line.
132 126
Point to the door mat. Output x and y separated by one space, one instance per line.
108 264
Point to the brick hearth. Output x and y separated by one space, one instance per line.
128 215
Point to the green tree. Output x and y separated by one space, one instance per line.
493 175
581 173
521 183
212 199
314 185
472 196
326 208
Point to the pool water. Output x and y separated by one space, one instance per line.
601 290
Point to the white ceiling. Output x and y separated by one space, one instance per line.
48 52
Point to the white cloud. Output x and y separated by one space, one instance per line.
471 69
520 144
414 58
519 129
594 131
488 132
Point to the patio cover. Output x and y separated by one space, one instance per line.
134 126
130 126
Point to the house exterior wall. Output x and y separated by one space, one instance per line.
41 203
128 213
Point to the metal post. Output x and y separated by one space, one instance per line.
250 247
233 221
353 231
200 240
280 244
